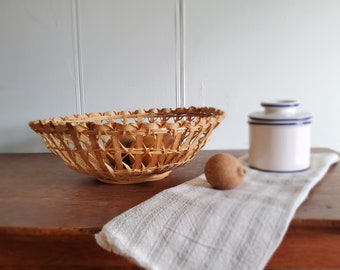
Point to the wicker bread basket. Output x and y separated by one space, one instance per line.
129 147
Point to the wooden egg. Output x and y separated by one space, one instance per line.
127 141
224 171
149 141
168 140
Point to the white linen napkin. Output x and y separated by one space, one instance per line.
192 226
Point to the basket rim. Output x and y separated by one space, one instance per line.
202 112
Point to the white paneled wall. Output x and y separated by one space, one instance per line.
61 57
239 53
74 56
128 54
37 77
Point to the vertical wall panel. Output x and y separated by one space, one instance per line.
128 54
36 69
239 53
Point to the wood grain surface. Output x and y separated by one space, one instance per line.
49 214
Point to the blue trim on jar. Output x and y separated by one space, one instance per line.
281 104
281 119
279 124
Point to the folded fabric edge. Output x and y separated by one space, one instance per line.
117 247
102 241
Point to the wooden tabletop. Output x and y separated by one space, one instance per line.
48 209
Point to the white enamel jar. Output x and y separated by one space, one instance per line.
279 137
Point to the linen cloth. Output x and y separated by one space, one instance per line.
192 226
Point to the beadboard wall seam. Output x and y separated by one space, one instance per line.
180 53
77 58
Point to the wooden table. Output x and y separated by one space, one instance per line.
49 214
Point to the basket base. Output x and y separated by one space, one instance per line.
136 179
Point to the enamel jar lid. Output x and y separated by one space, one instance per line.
279 137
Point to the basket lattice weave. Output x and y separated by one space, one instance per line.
129 147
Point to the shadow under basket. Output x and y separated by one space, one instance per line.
129 147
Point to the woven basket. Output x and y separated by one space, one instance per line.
129 147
